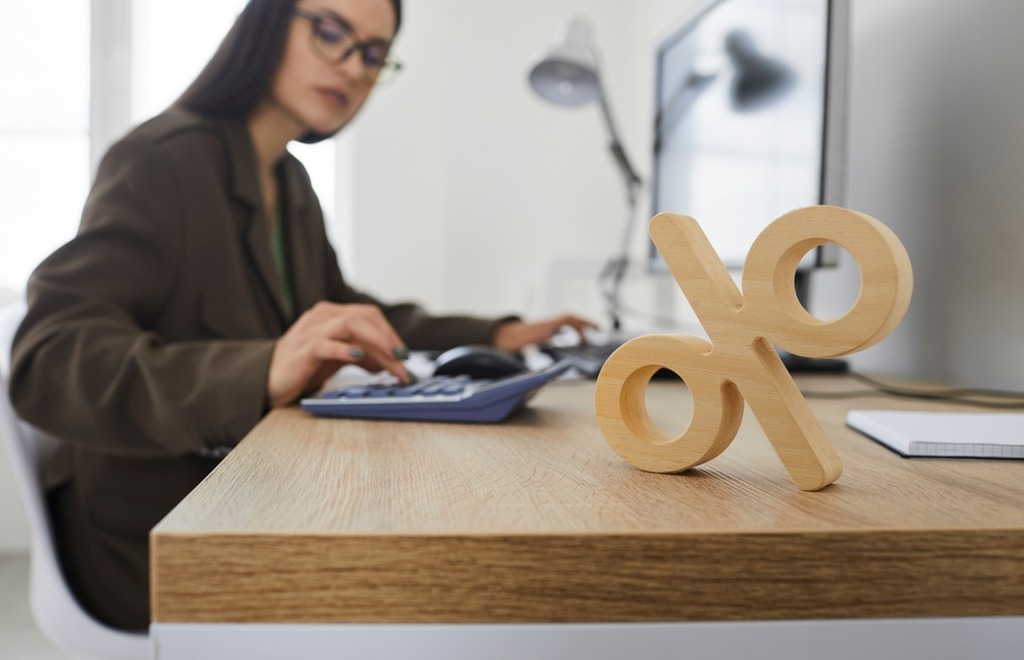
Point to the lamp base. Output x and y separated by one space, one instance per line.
797 364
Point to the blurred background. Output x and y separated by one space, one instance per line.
459 187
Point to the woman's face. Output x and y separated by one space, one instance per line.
318 94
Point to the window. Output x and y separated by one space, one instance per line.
44 130
45 123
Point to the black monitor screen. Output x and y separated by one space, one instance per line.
741 127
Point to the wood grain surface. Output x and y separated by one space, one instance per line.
538 520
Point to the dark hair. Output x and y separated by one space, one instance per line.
240 73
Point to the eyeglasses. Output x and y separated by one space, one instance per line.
334 41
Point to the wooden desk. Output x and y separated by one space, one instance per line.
537 520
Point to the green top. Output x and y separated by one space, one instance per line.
280 255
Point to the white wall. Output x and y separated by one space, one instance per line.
467 184
13 523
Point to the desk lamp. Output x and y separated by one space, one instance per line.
568 75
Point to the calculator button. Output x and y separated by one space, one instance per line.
437 398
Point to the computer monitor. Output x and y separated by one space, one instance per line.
750 120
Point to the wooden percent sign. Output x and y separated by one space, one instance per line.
740 362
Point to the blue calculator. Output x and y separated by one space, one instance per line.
435 399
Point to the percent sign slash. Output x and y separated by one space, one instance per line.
740 361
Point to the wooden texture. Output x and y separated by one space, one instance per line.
538 520
740 361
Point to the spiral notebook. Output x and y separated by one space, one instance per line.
943 434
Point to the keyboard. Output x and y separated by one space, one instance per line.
589 358
436 398
586 358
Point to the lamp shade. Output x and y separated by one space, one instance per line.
567 74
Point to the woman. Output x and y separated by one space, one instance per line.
201 289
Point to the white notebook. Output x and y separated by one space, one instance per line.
952 434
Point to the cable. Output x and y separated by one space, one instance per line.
661 319
959 396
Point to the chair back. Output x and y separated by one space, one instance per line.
54 608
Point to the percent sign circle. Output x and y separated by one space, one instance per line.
740 362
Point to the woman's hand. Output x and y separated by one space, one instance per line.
514 335
324 339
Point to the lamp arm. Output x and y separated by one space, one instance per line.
629 174
615 269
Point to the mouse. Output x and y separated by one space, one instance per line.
478 361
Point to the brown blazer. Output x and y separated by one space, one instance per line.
148 336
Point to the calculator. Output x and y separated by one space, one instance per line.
436 398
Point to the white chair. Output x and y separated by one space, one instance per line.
55 610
